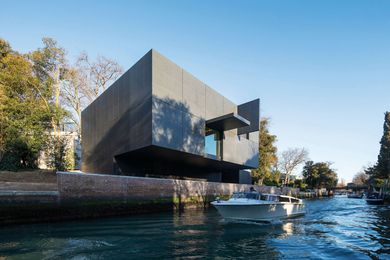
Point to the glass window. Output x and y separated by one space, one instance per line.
284 199
251 196
212 143
238 195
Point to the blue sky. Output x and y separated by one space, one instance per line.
320 68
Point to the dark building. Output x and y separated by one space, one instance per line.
159 120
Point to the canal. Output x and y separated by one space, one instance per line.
332 228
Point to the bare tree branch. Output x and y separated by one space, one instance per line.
99 74
290 160
84 82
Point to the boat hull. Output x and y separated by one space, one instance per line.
375 201
259 212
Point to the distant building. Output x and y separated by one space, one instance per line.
159 120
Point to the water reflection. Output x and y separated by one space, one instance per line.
189 235
332 228
288 228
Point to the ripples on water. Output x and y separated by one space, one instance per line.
332 228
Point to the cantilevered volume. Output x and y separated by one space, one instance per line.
159 120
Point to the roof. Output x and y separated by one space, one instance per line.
227 122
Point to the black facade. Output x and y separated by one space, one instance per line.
159 120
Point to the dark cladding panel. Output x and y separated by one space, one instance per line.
140 119
167 123
152 121
120 119
214 103
193 134
251 112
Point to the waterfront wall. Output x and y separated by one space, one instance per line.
88 188
84 195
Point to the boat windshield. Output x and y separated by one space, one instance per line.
246 195
269 197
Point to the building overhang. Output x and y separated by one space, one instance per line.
162 157
227 122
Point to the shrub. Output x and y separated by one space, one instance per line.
58 154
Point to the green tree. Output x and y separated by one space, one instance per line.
267 157
298 183
319 175
30 109
37 90
383 164
49 65
5 49
24 116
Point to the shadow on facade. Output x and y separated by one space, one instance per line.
158 138
177 146
174 127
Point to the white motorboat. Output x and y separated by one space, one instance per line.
254 206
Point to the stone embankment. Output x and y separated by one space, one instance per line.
70 195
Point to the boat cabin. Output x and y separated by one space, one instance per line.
264 197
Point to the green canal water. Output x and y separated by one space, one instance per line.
337 228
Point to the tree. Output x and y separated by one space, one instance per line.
299 183
84 82
2 121
39 92
72 94
59 156
24 114
48 64
267 156
319 175
290 160
5 48
360 178
98 74
383 164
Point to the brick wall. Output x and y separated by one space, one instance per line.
84 186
